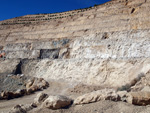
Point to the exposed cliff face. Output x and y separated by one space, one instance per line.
105 45
113 17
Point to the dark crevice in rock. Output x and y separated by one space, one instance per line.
133 10
105 36
126 2
18 68
109 46
49 53
1 47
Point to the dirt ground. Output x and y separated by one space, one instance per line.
99 107
72 91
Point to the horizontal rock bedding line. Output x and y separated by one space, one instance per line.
125 44
58 53
133 35
32 19
52 44
128 51
85 50
131 16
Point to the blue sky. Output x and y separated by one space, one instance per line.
14 8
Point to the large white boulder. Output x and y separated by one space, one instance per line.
56 102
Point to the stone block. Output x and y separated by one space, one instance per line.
29 54
56 102
17 47
8 66
49 53
53 44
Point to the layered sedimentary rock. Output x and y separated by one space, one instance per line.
103 45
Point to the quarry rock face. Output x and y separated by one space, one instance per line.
101 52
107 44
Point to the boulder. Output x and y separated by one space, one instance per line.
35 84
45 84
22 108
27 107
17 109
105 94
39 83
10 95
40 98
7 95
4 95
56 102
19 92
29 83
138 98
32 89
122 95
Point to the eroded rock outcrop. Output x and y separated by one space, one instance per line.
122 95
138 98
105 94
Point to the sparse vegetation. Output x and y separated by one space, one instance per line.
127 87
95 5
124 88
